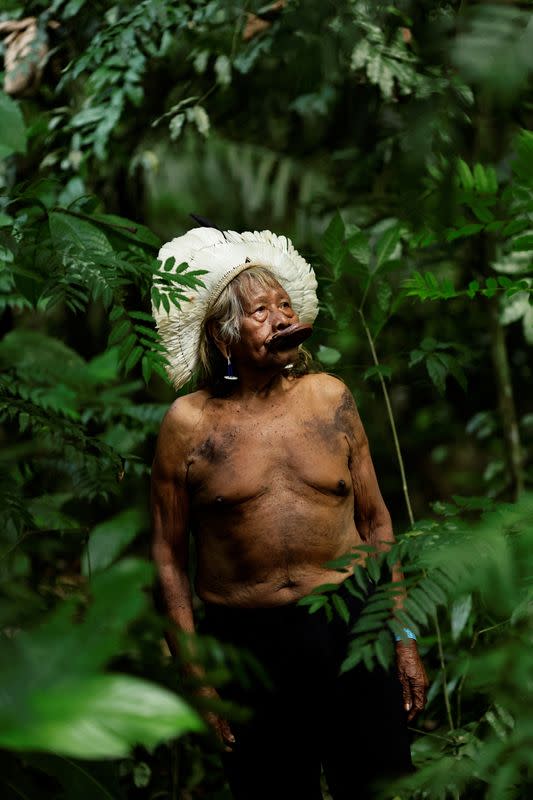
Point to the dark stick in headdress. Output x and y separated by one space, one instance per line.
206 223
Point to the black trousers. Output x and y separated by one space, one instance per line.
353 725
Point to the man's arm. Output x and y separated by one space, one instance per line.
374 524
170 516
170 544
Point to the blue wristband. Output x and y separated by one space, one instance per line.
408 632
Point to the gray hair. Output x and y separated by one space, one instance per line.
225 317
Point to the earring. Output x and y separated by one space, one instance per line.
229 376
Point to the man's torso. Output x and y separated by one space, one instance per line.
271 495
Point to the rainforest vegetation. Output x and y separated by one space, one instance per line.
392 142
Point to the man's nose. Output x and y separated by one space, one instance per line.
279 320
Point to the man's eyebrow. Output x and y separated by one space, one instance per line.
262 298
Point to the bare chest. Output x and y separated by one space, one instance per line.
238 457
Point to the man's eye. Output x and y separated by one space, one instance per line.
259 308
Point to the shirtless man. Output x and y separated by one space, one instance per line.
274 478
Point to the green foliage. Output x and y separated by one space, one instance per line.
476 578
395 153
13 135
56 698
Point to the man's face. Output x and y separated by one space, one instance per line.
266 311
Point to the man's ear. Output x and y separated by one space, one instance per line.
213 331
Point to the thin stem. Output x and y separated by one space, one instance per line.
429 733
500 358
89 567
17 791
475 637
363 299
391 420
407 503
87 775
444 676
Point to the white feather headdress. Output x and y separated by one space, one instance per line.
224 255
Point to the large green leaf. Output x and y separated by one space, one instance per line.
108 539
12 127
99 717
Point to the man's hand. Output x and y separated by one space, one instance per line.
413 678
217 723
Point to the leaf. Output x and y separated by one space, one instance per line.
437 372
67 229
373 569
381 370
108 539
116 312
13 135
481 181
384 295
461 609
491 179
491 285
175 126
523 242
99 717
465 230
482 212
72 8
465 175
146 367
126 228
133 358
328 355
416 356
359 247
199 116
385 247
222 69
473 288
341 607
333 241
454 368
119 331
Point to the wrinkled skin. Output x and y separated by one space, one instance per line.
412 677
274 480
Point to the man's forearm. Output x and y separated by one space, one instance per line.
382 538
177 593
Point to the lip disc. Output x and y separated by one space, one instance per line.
290 337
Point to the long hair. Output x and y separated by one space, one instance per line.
225 317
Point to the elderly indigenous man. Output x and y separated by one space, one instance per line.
269 468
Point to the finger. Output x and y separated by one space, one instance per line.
406 693
419 700
214 723
226 731
226 735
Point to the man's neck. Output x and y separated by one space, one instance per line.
260 385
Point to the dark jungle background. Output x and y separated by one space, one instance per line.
392 142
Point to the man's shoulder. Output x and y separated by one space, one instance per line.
325 386
177 432
185 411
